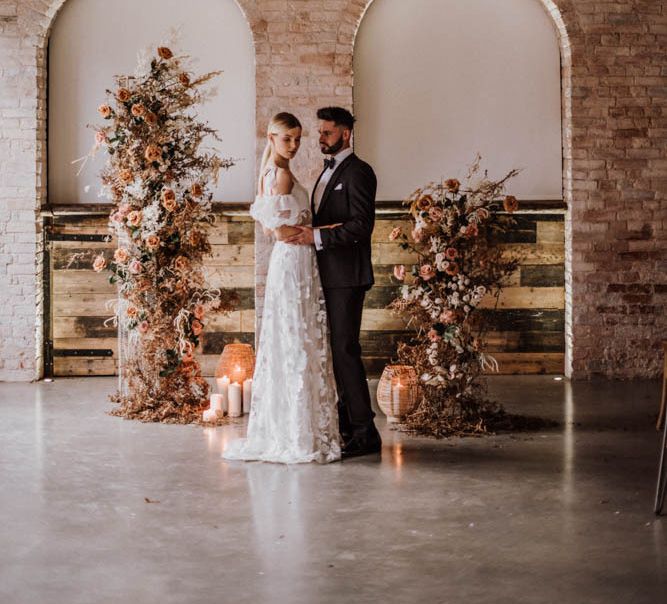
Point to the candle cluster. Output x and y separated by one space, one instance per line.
233 397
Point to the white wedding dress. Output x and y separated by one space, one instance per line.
293 413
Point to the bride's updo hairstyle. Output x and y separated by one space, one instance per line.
280 122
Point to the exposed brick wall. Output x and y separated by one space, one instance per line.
614 63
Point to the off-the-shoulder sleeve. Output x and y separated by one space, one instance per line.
273 211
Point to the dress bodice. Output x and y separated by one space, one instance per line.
273 210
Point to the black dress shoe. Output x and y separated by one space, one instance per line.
361 445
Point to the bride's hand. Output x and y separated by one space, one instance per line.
284 232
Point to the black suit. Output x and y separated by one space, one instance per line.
347 273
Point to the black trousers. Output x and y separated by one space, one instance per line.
344 308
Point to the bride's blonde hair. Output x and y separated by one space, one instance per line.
280 122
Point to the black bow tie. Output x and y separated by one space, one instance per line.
329 162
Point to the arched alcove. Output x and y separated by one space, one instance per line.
477 77
92 40
437 82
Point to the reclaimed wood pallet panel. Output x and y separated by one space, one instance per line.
525 325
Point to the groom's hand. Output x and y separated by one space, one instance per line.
303 237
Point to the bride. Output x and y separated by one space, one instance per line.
293 416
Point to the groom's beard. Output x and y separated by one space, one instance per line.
335 148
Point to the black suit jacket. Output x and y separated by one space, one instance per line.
349 197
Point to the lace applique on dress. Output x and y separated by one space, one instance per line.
293 415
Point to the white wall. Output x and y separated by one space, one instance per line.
435 81
94 39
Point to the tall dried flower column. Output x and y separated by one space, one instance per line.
158 180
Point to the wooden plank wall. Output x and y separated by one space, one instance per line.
527 326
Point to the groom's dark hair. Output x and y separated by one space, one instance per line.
337 115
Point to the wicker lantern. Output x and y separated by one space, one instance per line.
397 391
237 362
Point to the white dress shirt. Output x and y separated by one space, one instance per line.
322 184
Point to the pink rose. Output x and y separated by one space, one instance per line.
426 272
399 272
199 312
143 327
451 253
197 327
395 234
99 264
135 267
124 209
436 213
433 335
100 137
116 217
417 235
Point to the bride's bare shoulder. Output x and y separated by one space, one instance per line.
284 181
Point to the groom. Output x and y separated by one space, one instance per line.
345 194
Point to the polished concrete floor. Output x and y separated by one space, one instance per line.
96 509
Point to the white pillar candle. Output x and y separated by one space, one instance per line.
247 395
223 385
396 393
216 402
210 415
235 400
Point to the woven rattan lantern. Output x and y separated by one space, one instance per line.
237 362
397 391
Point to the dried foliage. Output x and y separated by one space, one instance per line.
158 178
459 262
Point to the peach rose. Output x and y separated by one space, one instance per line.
138 110
424 202
104 111
134 218
510 204
152 242
135 267
99 264
451 253
433 335
181 263
199 312
448 316
153 153
169 204
436 213
123 95
184 79
399 272
143 327
132 312
197 327
452 269
417 235
121 255
452 185
150 118
395 233
195 238
196 190
164 53
482 213
168 194
126 176
426 272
